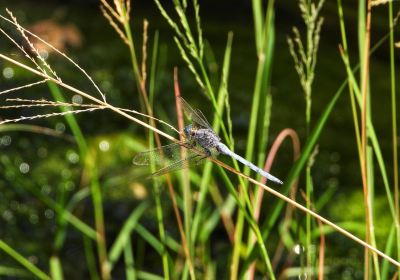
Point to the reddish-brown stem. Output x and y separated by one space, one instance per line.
288 132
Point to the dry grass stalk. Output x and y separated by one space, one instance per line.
19 27
144 51
117 16
51 76
24 86
380 2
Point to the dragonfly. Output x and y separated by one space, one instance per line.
200 142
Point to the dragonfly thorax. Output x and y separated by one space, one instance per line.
206 138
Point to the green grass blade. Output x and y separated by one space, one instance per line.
124 235
71 120
153 68
90 258
71 218
97 199
143 275
18 273
23 261
263 48
214 219
223 91
371 179
56 268
361 29
130 270
373 138
150 238
388 250
62 227
257 9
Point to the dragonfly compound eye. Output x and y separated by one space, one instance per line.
187 130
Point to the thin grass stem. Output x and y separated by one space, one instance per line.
23 261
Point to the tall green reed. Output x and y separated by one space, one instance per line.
366 137
305 59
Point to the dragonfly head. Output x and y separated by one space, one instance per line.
187 130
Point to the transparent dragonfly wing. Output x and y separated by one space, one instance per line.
192 160
201 115
196 115
160 156
170 159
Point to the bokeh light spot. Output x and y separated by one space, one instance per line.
5 140
298 249
49 213
34 218
77 99
138 190
24 168
60 127
72 157
44 54
46 189
69 186
8 73
42 152
104 145
7 215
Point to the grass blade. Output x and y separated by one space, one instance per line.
124 235
56 268
23 261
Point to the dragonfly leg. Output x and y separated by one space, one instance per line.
208 152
